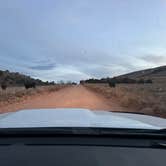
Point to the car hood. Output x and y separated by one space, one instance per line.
78 118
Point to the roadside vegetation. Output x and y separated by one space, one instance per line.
17 94
15 87
141 91
140 98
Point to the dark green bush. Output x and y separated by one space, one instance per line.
29 84
141 81
149 81
3 86
112 84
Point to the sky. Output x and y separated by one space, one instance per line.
79 39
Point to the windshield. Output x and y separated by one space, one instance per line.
83 63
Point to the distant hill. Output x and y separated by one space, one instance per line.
17 79
156 74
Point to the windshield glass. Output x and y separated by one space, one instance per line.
88 63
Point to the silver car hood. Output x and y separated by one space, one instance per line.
78 118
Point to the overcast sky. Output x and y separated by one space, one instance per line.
79 39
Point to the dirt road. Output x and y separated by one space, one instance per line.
70 97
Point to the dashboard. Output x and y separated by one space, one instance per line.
69 150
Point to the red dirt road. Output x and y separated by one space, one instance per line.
70 97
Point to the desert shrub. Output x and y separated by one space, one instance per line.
149 81
3 86
127 80
74 83
29 84
1 73
141 81
117 80
82 82
124 80
112 84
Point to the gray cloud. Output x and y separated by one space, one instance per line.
62 40
43 67
155 59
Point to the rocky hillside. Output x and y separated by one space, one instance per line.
157 74
17 79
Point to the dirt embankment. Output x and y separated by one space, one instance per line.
69 97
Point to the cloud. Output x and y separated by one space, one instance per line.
154 59
61 40
43 67
63 72
100 71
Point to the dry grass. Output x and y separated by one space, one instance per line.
16 94
145 98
